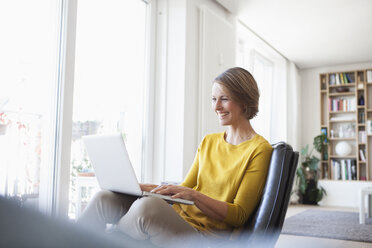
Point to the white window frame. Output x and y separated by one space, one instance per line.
149 118
61 177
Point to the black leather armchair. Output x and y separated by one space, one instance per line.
265 225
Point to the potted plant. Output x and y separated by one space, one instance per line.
321 145
307 174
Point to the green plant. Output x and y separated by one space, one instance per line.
307 173
321 145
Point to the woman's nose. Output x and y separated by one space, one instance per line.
217 105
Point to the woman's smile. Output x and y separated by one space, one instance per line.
228 111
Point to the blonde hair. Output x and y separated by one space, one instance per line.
242 88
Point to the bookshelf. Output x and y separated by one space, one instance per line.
346 118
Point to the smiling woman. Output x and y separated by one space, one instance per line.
235 99
228 111
225 182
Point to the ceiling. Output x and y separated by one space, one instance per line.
311 33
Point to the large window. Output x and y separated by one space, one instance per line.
108 93
28 102
109 85
270 71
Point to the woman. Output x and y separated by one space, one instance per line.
225 181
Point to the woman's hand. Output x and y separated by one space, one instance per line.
176 191
147 186
211 207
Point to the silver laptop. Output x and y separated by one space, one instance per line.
113 168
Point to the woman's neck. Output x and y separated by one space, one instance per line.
239 134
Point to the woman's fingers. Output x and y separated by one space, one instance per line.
178 195
160 189
147 186
166 189
175 191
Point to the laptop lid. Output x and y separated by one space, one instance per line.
111 164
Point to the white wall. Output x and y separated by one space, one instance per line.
338 193
192 80
169 91
177 86
183 113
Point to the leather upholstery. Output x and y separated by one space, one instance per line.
265 225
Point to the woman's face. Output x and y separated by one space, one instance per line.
228 111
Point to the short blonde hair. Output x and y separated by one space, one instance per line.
242 88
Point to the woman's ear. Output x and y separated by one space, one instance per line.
245 109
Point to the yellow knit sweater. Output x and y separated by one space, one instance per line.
235 174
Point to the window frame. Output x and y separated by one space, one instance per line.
61 174
58 204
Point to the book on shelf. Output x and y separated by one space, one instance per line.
344 169
362 155
340 79
348 78
337 79
348 167
344 78
353 170
332 79
342 104
336 167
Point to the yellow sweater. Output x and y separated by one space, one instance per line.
235 174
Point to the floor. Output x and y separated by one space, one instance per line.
289 241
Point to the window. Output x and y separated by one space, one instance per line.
110 82
28 89
262 70
263 73
109 85
269 69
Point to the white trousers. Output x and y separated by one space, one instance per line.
140 218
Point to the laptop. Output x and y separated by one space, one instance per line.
113 168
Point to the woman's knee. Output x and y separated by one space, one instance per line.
143 214
104 196
153 218
148 206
